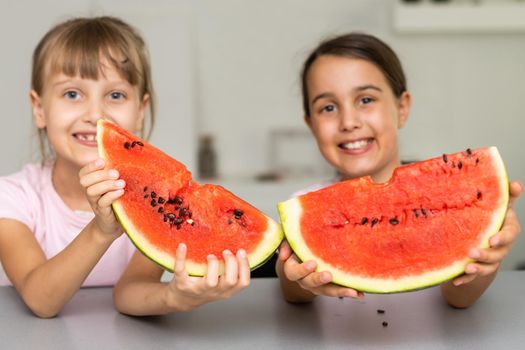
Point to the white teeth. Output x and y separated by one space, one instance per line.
355 145
87 138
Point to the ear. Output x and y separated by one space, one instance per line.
308 121
37 109
144 104
404 104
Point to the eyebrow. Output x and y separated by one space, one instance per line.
358 89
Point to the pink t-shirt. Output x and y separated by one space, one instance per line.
29 197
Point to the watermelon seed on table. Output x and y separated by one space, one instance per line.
385 324
380 311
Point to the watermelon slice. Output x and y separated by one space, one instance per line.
162 206
412 232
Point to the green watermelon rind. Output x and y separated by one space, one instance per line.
273 236
269 243
290 213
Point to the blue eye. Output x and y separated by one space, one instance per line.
116 95
72 95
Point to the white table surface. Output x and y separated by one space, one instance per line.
258 318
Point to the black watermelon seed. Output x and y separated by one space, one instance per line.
393 221
161 210
385 324
139 143
424 212
469 152
146 196
153 195
165 218
170 201
416 213
374 221
380 311
178 221
178 227
127 145
171 216
364 220
153 202
453 164
183 211
146 189
178 200
460 165
190 214
229 222
133 144
238 212
445 158
161 200
478 195
477 161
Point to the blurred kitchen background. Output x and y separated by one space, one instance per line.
226 73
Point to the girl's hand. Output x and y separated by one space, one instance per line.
187 292
318 283
102 188
488 260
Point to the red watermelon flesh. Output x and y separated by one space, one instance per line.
412 232
162 206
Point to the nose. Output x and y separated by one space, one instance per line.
94 112
349 119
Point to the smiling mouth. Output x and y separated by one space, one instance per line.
356 145
90 138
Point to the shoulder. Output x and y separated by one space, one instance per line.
314 187
20 192
31 177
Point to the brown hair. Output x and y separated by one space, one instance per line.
76 47
363 46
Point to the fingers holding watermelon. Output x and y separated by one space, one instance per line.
487 261
103 187
188 292
317 283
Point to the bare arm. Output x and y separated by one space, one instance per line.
139 292
465 290
47 285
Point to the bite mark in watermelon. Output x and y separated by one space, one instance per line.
162 206
412 232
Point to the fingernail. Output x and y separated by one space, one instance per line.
458 283
182 247
113 173
474 253
351 293
241 253
99 163
495 241
120 183
227 252
325 278
310 265
211 257
471 269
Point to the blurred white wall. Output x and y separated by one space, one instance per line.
231 68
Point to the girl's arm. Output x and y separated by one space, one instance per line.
47 285
300 283
139 291
463 291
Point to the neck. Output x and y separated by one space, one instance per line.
67 184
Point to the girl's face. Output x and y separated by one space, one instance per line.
355 116
69 108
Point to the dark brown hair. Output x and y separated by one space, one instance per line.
78 46
363 46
